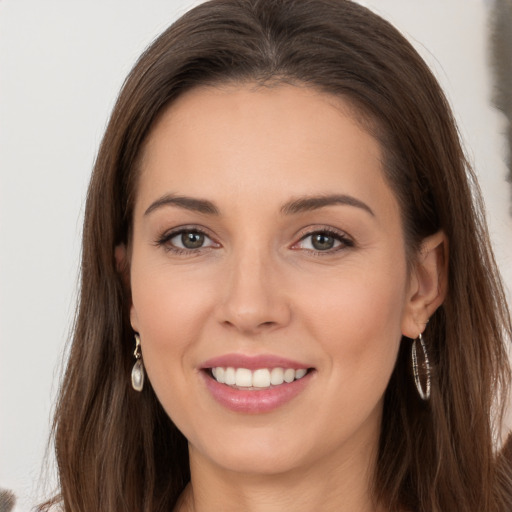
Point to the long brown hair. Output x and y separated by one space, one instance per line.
117 449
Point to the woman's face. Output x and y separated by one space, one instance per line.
267 244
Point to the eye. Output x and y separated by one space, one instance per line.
189 240
324 241
186 240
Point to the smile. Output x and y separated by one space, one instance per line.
260 378
255 384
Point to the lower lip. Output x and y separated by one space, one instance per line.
255 401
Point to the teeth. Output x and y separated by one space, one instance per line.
220 374
243 378
276 376
229 377
300 373
261 378
289 375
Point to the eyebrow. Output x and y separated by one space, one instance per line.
305 204
299 205
188 203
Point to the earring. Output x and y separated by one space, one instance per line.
424 393
138 367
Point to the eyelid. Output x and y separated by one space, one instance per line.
164 239
341 236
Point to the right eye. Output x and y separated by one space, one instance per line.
324 241
189 240
186 240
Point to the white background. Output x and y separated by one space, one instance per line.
61 66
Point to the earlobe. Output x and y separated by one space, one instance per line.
428 284
134 322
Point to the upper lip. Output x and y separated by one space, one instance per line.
253 362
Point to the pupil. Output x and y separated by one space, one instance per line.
323 242
192 240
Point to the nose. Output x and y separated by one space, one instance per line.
255 298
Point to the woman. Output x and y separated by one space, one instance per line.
288 296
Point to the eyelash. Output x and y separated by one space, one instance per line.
344 240
164 241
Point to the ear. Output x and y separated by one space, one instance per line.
123 268
428 284
122 264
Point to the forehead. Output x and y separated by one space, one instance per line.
269 142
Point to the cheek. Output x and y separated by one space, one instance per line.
167 299
360 333
358 324
170 312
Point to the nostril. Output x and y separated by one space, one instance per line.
251 314
248 324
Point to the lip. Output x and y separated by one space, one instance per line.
252 362
254 401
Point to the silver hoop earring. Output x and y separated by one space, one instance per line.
424 393
138 367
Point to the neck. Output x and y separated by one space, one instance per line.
338 483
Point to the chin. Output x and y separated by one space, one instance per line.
251 459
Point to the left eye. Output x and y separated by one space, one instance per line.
190 239
323 241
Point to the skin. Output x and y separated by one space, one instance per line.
259 286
